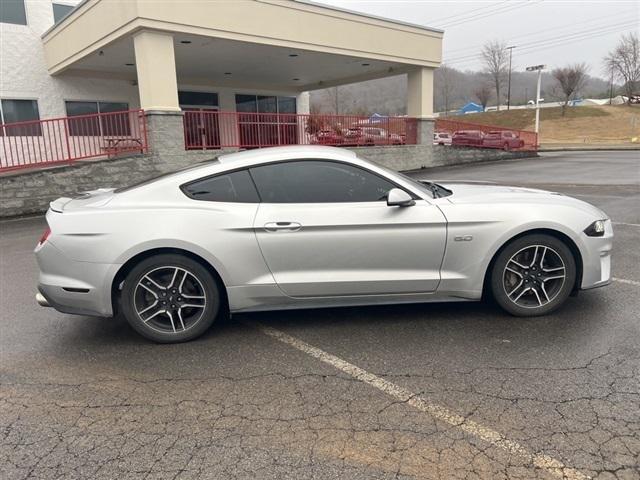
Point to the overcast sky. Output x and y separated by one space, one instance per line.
553 32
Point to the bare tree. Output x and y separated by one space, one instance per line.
445 82
496 58
624 62
571 80
483 95
334 94
339 98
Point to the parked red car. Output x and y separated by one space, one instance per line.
504 139
467 138
371 136
327 137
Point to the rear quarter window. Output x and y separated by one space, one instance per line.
234 187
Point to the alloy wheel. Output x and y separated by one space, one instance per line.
534 276
170 299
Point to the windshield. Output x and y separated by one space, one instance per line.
424 186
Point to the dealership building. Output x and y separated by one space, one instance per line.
191 74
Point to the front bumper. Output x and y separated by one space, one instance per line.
69 286
596 259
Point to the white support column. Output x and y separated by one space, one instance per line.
302 103
420 102
156 68
420 93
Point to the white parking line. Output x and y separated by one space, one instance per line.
539 460
624 280
627 224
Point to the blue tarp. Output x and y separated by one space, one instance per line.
376 117
471 107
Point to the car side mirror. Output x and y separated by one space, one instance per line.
399 198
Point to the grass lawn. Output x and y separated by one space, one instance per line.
617 124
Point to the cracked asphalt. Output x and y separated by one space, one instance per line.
86 397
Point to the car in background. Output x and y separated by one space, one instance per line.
504 139
442 138
371 136
467 138
327 137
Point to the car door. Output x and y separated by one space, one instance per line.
324 229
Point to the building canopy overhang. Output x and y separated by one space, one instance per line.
275 44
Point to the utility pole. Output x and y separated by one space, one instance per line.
539 69
611 88
509 84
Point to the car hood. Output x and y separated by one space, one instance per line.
479 193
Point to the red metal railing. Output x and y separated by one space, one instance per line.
214 129
465 134
67 139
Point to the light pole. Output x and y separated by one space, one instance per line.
509 84
539 69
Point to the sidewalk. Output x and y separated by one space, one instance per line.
562 147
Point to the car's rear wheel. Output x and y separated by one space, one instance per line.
170 298
533 275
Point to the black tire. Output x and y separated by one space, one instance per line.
541 296
202 305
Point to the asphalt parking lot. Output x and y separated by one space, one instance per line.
458 391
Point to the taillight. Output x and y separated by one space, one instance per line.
44 236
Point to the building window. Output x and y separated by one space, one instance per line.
261 126
12 111
60 11
198 99
12 11
90 124
287 105
265 104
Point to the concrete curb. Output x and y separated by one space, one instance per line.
590 148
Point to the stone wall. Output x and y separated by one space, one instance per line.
29 192
414 157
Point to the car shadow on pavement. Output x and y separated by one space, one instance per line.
457 319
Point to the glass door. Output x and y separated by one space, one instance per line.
201 122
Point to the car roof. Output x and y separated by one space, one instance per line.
290 152
248 159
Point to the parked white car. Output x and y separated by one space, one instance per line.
442 138
308 227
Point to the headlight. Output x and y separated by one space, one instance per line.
596 229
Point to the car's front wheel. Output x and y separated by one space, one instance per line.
170 298
533 275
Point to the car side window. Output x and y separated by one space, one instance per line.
317 181
234 187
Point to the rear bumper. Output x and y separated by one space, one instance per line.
69 286
41 300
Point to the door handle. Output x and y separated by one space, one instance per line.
282 226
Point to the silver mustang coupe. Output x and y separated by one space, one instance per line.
307 227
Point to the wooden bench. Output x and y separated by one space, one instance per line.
114 146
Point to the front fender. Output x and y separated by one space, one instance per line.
466 261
